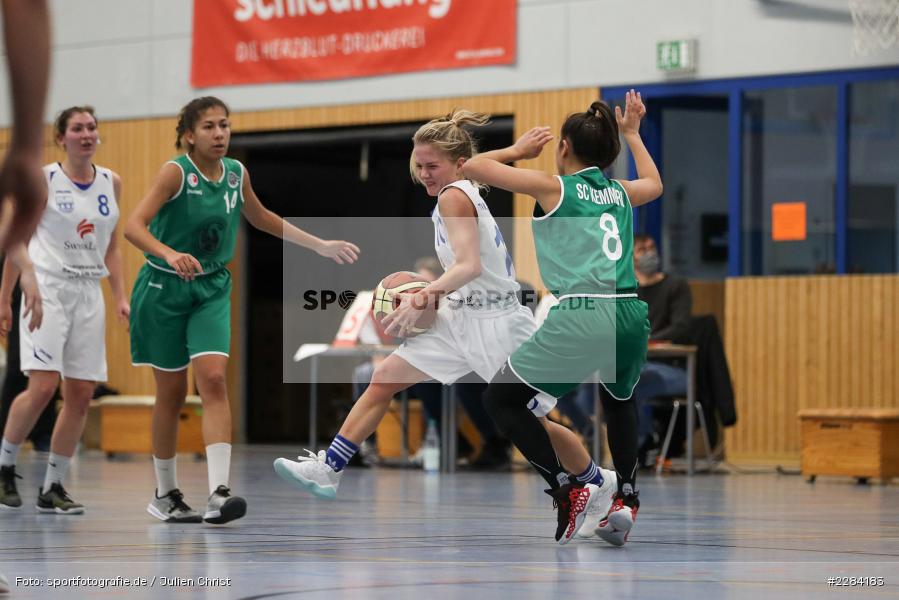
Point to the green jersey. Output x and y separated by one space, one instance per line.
202 219
585 245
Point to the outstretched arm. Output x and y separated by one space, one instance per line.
648 186
265 220
490 168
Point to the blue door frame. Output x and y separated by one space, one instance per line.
667 94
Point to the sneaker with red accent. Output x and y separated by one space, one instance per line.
616 527
599 509
572 501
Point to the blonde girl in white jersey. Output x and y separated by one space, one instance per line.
75 245
479 324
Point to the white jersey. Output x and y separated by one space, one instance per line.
495 287
74 232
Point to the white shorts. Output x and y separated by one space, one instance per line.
72 337
463 340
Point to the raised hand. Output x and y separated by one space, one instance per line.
531 144
634 111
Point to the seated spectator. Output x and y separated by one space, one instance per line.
670 303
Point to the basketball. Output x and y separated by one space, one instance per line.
386 300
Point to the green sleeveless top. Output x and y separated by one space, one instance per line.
202 219
586 244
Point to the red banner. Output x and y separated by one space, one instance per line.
261 41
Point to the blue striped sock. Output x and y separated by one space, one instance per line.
591 474
340 452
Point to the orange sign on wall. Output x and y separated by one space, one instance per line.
262 41
788 221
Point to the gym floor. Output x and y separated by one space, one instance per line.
405 534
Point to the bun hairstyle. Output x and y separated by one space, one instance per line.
62 119
593 135
191 113
450 134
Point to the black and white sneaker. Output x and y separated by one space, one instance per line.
171 508
223 507
572 501
57 501
9 495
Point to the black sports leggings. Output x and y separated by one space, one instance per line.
506 400
621 427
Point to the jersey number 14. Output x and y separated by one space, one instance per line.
231 202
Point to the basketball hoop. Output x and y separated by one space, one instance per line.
876 24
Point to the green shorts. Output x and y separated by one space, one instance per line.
174 321
582 336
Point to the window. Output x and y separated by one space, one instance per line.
873 209
789 156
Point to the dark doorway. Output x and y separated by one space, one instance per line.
332 173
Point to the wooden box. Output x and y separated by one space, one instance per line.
860 443
126 425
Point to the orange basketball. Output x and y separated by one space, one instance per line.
386 299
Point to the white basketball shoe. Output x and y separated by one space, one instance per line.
310 473
599 508
617 526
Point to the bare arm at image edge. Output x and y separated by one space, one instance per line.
26 31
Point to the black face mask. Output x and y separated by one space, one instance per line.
648 263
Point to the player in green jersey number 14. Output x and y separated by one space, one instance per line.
181 300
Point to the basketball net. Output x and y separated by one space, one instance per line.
876 24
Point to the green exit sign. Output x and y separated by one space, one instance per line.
677 56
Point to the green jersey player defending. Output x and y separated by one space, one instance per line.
583 234
181 304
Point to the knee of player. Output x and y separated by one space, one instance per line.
212 379
77 404
78 396
42 392
387 378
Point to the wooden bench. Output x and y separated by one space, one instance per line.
855 442
126 425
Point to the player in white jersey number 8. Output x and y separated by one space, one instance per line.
75 245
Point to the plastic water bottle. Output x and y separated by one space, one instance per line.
431 448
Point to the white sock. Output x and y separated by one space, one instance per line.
8 453
57 467
218 459
166 475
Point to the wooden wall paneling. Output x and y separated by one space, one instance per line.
708 299
807 342
803 307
